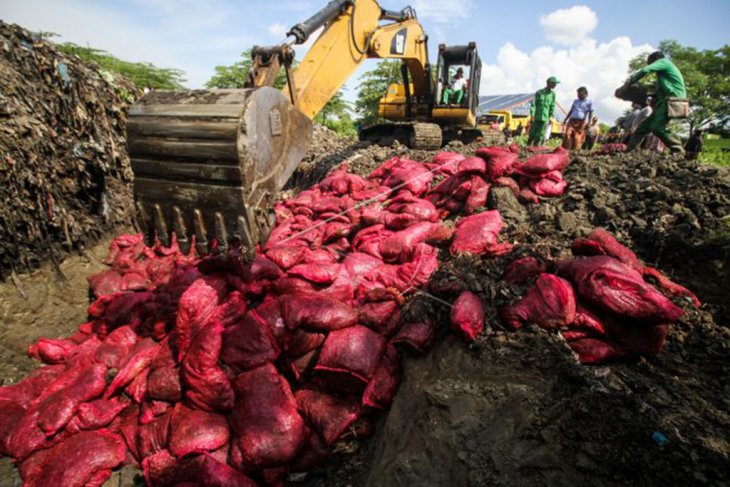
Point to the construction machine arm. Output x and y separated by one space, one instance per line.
352 33
209 164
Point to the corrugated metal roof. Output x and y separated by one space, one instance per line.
518 104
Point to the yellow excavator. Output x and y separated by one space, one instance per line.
209 164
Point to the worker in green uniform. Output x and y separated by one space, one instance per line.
541 111
669 83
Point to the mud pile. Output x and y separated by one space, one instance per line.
65 177
517 408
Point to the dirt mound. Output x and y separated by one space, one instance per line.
517 408
65 177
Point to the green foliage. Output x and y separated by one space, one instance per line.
554 142
335 115
551 142
520 140
716 151
235 75
707 78
141 74
373 86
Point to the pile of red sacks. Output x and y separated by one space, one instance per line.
471 177
219 371
600 301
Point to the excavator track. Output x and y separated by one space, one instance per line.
416 135
209 164
425 136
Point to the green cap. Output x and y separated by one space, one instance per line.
553 79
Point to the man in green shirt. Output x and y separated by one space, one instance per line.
669 83
541 111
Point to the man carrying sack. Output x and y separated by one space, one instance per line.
577 120
670 101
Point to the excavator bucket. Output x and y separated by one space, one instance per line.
210 163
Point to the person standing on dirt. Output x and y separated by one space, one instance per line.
455 91
541 111
669 84
591 134
577 119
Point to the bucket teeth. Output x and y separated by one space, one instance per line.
143 221
161 226
242 233
201 235
220 232
178 226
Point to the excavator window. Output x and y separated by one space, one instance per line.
454 84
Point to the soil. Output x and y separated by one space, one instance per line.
517 408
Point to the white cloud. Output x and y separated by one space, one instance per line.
601 67
278 30
569 26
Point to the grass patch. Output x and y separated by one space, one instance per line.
716 151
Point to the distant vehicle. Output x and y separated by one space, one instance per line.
499 119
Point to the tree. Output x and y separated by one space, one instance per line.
141 74
235 75
335 115
373 86
706 76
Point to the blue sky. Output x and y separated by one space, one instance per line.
521 43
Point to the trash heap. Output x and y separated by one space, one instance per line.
225 371
65 177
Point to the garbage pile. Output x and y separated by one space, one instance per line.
221 371
65 177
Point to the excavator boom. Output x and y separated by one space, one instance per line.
209 164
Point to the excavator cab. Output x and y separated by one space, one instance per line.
442 114
449 107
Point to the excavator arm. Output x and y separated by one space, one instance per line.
209 164
348 39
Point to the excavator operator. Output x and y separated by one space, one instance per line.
455 92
